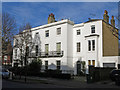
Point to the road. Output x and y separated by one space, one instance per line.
55 83
11 84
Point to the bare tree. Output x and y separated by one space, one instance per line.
8 29
24 42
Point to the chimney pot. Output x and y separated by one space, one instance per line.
113 21
112 17
106 12
105 16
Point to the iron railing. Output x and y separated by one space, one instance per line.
46 54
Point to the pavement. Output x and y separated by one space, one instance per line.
77 82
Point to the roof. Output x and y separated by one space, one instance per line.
92 20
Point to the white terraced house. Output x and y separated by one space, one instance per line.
72 47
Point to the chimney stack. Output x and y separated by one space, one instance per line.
113 21
51 18
106 17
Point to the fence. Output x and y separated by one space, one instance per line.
99 73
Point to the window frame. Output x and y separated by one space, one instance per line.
93 62
46 50
46 65
89 45
15 53
58 64
89 62
78 32
47 33
36 48
93 45
78 48
93 29
58 31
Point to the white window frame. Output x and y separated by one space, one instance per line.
58 31
78 32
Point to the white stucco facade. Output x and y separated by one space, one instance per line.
69 39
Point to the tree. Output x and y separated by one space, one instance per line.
8 29
23 41
35 65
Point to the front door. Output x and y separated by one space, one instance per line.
78 67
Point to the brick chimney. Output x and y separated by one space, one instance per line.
51 18
113 21
106 17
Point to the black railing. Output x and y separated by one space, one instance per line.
47 54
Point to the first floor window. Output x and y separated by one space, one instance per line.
46 48
58 47
58 65
27 49
89 45
36 50
46 65
93 45
78 47
15 53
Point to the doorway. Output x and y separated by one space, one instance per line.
78 67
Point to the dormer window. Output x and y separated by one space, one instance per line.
93 29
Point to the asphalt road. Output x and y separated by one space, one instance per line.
11 84
55 83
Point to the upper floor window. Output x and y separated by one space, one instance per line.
93 45
27 49
58 46
89 45
78 47
15 53
58 31
36 50
46 48
78 32
47 33
93 29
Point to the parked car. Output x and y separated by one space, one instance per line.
115 74
4 73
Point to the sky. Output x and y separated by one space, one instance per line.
36 13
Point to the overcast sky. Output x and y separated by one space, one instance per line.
36 13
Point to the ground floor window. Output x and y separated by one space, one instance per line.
46 65
91 62
108 64
58 64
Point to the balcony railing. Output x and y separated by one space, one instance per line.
45 54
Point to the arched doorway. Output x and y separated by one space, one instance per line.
78 67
